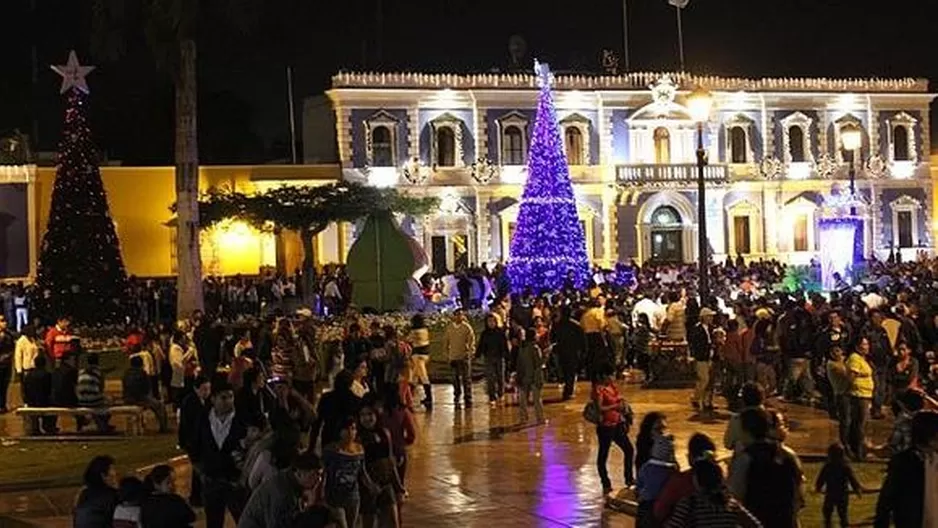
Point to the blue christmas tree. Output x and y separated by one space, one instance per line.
548 248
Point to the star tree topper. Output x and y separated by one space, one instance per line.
73 74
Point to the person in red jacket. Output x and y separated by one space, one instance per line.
681 485
58 339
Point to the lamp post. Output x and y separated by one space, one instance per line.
851 139
699 104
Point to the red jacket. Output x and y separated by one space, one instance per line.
58 342
677 487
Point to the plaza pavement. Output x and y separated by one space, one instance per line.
478 468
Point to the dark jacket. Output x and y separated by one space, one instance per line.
166 509
902 496
190 412
274 503
216 462
207 340
530 366
136 385
64 381
95 507
37 388
698 341
332 411
880 348
570 340
7 347
493 344
796 334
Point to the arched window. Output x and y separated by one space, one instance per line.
796 143
900 143
445 147
662 146
382 150
666 216
737 145
573 140
512 146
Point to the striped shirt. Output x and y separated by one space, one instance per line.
700 511
90 388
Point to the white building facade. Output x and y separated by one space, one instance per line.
774 150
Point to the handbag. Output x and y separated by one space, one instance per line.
591 412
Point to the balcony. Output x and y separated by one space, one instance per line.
678 174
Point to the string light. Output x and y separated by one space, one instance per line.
548 249
81 273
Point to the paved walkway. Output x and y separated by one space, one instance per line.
477 468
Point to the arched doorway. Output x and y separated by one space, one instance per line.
666 235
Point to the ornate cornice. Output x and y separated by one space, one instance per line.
630 81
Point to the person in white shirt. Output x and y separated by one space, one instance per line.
25 353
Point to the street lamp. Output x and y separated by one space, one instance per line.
699 104
851 139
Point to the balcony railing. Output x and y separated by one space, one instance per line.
684 173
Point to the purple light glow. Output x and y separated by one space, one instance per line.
548 248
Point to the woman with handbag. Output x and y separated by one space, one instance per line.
612 426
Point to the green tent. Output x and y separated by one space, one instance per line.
381 262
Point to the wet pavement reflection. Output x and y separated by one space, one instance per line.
478 467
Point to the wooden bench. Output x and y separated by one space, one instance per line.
133 414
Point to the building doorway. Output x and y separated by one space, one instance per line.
667 244
438 254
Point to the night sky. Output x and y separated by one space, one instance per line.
243 108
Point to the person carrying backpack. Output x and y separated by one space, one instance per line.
766 477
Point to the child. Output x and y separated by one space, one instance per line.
131 495
833 480
652 477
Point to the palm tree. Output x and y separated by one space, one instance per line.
171 30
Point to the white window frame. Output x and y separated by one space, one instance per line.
839 124
381 119
907 204
907 122
447 120
516 119
806 208
581 123
751 211
803 122
744 122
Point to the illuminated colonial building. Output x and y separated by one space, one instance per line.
774 146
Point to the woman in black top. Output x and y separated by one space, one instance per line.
97 500
163 507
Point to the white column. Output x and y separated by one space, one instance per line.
608 202
770 218
483 244
716 230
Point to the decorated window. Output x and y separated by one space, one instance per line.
905 211
573 142
576 133
513 146
795 144
738 144
662 146
800 233
445 147
902 137
381 131
382 147
797 138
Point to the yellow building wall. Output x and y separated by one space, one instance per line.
140 198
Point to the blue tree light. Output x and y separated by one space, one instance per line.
548 247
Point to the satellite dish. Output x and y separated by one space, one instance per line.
517 49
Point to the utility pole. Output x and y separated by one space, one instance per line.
625 36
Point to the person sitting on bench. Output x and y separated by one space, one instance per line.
90 391
137 391
37 392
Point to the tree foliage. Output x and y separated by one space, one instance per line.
309 208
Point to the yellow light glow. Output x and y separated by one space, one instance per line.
382 176
903 170
699 103
851 137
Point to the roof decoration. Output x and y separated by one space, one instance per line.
629 81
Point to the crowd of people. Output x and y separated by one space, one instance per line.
265 446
